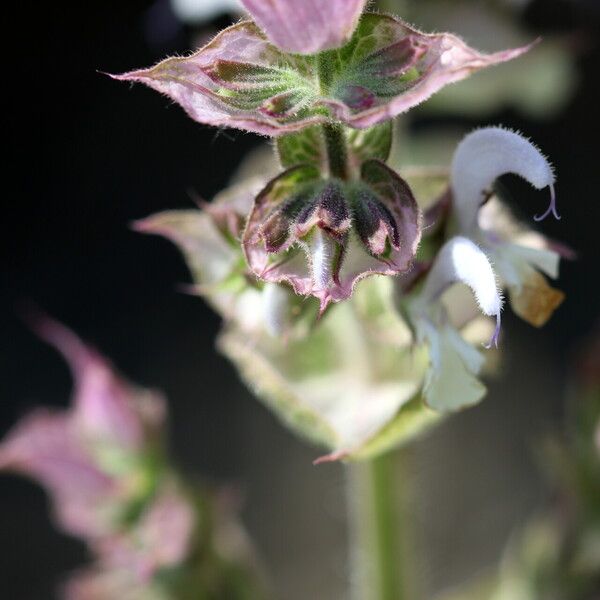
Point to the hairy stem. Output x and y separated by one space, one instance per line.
335 139
337 154
380 546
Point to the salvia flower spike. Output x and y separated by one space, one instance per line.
241 80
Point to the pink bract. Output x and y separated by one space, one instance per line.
243 81
45 446
79 454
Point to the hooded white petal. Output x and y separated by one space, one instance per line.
196 11
486 154
462 261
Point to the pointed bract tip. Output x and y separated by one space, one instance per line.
129 76
333 457
57 335
142 225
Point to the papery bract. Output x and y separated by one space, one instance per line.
241 80
108 409
326 387
309 26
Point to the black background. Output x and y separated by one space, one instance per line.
86 155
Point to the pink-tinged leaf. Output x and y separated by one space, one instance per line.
358 97
241 80
108 409
307 26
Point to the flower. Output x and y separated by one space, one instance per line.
161 538
451 381
488 252
309 26
241 80
323 235
519 257
197 11
104 465
91 458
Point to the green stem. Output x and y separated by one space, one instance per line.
379 527
337 154
334 136
325 68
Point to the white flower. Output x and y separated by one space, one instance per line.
196 11
519 260
451 382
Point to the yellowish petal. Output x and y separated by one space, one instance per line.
536 300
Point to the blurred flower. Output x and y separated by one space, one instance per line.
161 538
103 463
352 382
241 80
92 458
45 446
210 241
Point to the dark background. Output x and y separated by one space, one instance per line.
86 155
